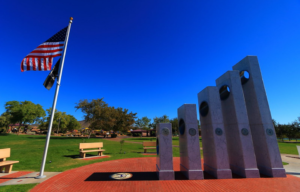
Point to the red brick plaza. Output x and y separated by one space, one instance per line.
96 177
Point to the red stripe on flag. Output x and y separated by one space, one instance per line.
59 54
50 63
46 46
39 63
45 66
27 64
46 51
33 63
22 67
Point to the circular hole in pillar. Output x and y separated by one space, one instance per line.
204 109
244 76
224 92
181 127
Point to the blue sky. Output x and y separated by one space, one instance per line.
151 56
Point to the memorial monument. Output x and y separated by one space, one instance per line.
214 142
263 133
164 159
190 159
238 134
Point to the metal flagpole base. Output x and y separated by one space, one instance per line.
40 177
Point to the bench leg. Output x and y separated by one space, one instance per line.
8 168
82 155
145 150
99 153
1 169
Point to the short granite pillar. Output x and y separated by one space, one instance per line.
263 133
164 159
190 159
238 134
214 142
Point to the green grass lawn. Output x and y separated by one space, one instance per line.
288 148
17 188
28 149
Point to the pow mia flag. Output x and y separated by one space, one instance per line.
48 83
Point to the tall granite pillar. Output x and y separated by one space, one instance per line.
164 159
190 159
214 142
238 134
263 133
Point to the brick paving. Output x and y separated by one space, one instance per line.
94 177
13 176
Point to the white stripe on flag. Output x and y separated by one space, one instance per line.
44 54
36 64
24 64
47 64
30 63
49 48
42 64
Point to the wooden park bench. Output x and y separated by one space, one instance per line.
7 165
91 146
149 145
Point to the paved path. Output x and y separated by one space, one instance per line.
293 167
97 177
23 177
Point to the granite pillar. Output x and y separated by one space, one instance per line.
190 159
263 133
238 134
164 159
214 142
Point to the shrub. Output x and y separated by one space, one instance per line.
93 135
129 134
113 135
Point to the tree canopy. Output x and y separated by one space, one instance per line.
24 112
101 116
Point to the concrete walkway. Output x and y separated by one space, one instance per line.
21 177
293 167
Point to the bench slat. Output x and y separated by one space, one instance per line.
90 145
4 153
149 143
149 148
86 151
8 162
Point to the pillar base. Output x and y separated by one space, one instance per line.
218 173
165 174
192 174
272 172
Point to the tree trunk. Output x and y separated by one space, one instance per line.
19 129
89 134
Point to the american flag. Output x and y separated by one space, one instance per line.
41 58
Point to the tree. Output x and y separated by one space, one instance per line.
24 112
5 120
143 123
175 125
101 116
73 124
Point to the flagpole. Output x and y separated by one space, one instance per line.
41 175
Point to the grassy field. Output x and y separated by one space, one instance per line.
288 147
63 151
17 188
